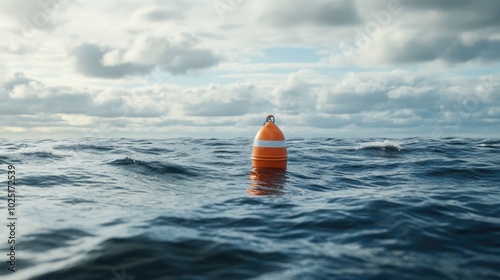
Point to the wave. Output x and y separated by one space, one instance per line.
146 258
460 173
92 147
489 145
184 208
43 150
49 181
153 166
151 150
4 159
386 145
45 241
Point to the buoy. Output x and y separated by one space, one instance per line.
269 146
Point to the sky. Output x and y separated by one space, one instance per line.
217 68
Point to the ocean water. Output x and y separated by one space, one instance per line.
123 209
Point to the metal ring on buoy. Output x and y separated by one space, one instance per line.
269 118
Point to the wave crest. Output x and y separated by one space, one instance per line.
41 150
386 145
153 166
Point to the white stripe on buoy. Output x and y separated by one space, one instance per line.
269 143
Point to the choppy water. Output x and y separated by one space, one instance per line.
193 209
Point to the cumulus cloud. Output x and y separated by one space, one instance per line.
396 100
217 71
176 55
143 103
393 100
296 95
90 62
16 79
453 32
27 96
231 100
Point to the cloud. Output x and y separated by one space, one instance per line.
26 20
296 95
395 100
236 99
89 61
176 55
17 79
398 46
453 32
375 92
417 47
457 15
300 12
485 50
157 14
140 103
388 101
33 14
216 72
27 96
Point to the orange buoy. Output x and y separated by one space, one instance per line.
269 147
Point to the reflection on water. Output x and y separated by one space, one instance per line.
267 181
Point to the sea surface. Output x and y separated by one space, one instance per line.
124 209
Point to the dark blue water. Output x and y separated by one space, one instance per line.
194 209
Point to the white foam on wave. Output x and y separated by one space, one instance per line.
42 149
489 145
385 145
37 149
